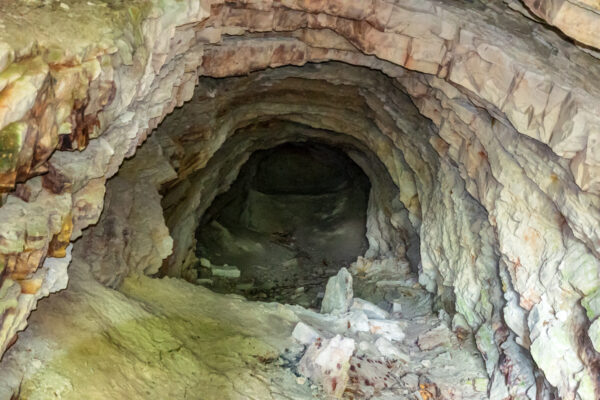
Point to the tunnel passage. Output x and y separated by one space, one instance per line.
499 188
294 216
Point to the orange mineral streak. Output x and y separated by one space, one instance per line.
60 241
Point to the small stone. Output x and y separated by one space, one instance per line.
204 282
370 309
369 349
358 322
390 330
305 334
338 293
327 362
300 380
396 307
205 262
226 271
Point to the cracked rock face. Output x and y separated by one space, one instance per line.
477 125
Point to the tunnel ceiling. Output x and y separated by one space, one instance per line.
477 125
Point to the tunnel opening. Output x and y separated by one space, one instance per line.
294 216
481 247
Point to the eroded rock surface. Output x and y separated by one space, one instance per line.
493 198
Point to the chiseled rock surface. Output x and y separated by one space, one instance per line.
500 189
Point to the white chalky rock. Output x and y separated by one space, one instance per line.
226 271
327 363
357 322
305 334
368 348
391 330
390 351
369 308
338 293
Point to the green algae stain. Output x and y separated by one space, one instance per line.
155 357
11 142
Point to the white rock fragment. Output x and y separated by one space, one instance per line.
368 348
391 330
305 334
396 307
205 262
357 321
327 363
338 293
390 351
226 271
370 309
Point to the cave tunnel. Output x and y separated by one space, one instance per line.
294 216
300 200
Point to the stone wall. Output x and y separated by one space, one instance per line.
501 185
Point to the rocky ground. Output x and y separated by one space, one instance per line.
166 338
398 349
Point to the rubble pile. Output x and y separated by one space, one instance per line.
398 349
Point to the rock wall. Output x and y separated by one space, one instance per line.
500 184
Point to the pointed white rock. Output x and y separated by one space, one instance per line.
338 293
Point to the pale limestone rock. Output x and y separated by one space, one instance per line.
389 329
511 155
305 334
357 321
338 293
327 363
370 309
225 271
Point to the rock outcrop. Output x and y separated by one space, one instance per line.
478 127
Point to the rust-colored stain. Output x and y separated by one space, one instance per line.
60 241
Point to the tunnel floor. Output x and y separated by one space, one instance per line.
295 215
169 339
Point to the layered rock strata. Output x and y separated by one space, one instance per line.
499 187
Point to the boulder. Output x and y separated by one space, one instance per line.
326 362
338 293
